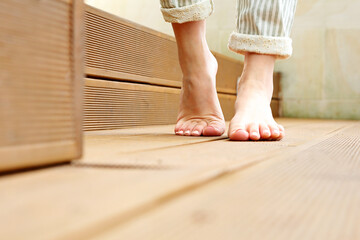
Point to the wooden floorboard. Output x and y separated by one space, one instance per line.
131 178
312 193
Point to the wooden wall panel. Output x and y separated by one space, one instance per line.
111 105
40 77
116 48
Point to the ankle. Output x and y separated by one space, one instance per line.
190 39
202 65
258 73
253 85
259 66
194 54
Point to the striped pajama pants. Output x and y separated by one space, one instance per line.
263 26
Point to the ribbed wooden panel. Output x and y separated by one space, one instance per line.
38 93
119 49
111 105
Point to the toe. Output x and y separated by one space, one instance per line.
275 133
187 132
238 133
282 132
198 129
265 132
181 130
213 130
189 127
178 127
195 133
253 130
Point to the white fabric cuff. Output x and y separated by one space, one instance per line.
195 12
279 46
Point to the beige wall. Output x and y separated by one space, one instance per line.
321 79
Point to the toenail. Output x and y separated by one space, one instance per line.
276 132
255 134
187 132
180 132
196 132
267 132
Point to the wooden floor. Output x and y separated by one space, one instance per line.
146 183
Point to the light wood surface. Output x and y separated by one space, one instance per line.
114 104
146 183
41 77
308 193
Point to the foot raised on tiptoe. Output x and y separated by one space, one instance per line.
200 112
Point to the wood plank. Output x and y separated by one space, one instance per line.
136 140
116 48
78 74
309 193
41 82
169 156
109 189
113 105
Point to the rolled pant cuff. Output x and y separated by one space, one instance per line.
194 12
279 46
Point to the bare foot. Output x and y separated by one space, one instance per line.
253 119
200 112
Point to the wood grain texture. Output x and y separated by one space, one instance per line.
112 104
116 48
309 193
106 196
40 77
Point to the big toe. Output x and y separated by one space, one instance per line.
213 131
239 135
238 132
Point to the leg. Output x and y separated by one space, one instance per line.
200 112
253 118
262 34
